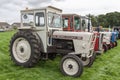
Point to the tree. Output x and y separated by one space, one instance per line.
109 19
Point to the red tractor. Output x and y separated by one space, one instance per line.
74 22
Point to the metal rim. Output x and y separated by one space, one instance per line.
70 66
21 50
86 61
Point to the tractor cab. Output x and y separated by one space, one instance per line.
43 18
71 22
75 22
85 21
43 21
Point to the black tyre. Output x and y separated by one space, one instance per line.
109 46
112 44
88 62
115 43
24 49
71 65
105 47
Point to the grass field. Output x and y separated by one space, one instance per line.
105 67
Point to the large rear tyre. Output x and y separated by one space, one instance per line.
24 49
105 47
88 62
71 65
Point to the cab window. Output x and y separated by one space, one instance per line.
65 23
39 19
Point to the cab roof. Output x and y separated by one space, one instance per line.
70 15
42 8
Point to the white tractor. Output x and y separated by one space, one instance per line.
107 39
41 37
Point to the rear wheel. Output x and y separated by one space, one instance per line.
105 47
24 49
71 65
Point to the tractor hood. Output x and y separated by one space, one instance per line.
108 34
72 35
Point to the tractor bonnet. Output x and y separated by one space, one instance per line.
72 35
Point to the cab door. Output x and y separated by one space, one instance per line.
67 23
40 25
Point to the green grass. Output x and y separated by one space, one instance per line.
105 67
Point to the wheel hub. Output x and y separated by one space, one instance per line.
85 61
22 50
84 58
70 66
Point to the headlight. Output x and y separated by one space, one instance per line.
83 45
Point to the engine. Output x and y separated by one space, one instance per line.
63 44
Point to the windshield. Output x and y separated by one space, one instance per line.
28 19
77 23
54 20
85 23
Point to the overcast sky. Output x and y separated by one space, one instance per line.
10 9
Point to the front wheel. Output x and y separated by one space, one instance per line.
88 62
105 47
71 65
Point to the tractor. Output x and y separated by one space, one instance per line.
110 39
77 23
99 47
114 39
41 37
72 23
117 30
107 39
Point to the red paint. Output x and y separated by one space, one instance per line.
96 47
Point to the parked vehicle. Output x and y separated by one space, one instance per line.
117 30
72 22
2 30
114 39
79 23
107 39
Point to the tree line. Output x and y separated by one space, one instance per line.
106 20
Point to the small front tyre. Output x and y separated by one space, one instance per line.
105 47
71 65
88 62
